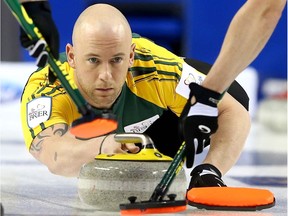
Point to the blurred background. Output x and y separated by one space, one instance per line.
190 28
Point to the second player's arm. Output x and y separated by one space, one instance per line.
229 140
248 33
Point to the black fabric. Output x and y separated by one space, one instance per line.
206 175
164 133
201 126
204 95
40 13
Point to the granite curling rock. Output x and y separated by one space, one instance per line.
110 180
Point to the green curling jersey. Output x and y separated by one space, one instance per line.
157 82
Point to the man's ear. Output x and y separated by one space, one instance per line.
70 55
132 54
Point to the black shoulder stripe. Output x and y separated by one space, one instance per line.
137 71
173 74
142 57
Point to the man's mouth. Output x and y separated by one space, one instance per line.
104 89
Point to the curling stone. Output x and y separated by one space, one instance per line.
112 179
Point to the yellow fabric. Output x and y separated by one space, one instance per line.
63 109
157 87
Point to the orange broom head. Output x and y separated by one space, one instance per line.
95 128
236 198
153 207
153 210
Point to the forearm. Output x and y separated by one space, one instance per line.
64 154
247 34
61 152
67 156
228 142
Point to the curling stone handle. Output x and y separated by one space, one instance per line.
134 138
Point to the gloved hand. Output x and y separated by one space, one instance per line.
40 13
206 175
199 120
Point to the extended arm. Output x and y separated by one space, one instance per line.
64 154
247 35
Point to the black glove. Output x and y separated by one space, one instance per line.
206 175
199 121
40 13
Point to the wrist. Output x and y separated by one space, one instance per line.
204 95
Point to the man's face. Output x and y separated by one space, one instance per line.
101 65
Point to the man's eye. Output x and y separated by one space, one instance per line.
93 60
117 59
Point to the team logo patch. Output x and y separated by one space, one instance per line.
38 111
189 75
189 79
141 126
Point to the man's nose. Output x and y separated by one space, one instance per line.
105 72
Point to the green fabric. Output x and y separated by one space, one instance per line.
130 109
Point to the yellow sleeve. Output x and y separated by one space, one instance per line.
43 105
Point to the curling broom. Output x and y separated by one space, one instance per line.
210 198
157 203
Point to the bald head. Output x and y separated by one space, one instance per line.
101 54
102 20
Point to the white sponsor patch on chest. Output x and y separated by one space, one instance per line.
141 126
189 75
38 111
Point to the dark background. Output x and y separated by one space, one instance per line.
190 28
